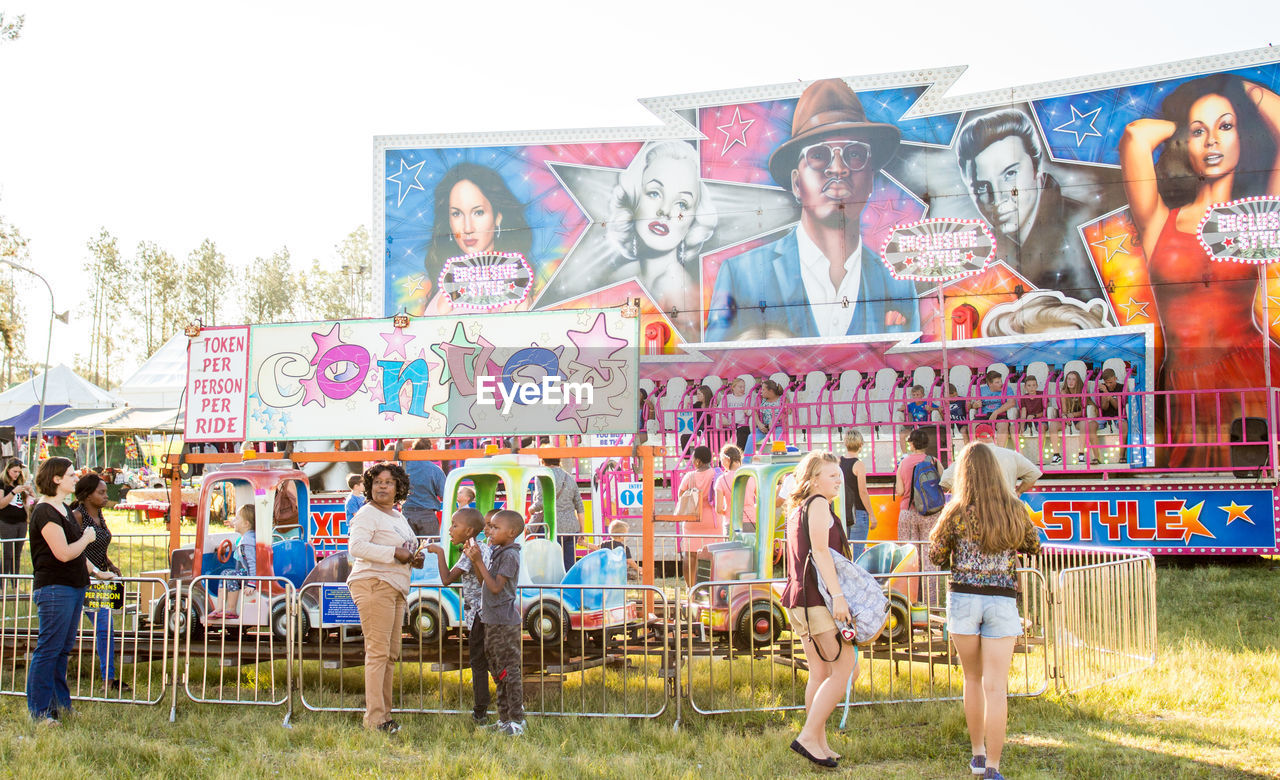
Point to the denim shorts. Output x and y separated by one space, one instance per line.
994 617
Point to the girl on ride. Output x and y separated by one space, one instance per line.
978 538
812 533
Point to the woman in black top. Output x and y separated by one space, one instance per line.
858 517
13 516
61 575
91 497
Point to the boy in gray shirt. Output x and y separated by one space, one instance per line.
500 613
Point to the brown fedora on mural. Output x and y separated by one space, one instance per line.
828 108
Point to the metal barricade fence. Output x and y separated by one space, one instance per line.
135 554
587 650
121 654
245 657
742 656
1104 619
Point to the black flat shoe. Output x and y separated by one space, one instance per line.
822 762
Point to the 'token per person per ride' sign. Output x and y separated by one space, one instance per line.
217 378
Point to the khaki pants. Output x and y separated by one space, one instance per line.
381 609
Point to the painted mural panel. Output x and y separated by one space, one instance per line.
766 215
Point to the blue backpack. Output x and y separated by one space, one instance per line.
927 497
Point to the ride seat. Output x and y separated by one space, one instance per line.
544 562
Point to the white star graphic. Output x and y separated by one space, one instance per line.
1135 309
1112 246
403 188
735 132
1083 121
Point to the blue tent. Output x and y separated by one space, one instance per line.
25 421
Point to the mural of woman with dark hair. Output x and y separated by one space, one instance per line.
475 211
661 215
1220 136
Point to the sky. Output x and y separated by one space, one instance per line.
252 123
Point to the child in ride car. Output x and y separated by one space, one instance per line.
465 525
246 556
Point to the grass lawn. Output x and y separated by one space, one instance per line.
1208 709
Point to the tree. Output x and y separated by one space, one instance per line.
270 289
207 283
109 276
325 295
156 303
356 255
12 324
9 31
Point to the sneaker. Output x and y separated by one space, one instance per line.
978 766
993 774
498 725
1056 459
514 729
389 726
1079 457
1095 462
480 717
118 686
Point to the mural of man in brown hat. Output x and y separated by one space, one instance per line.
803 279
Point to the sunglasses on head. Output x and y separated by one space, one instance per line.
854 154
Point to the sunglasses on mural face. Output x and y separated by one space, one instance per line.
854 154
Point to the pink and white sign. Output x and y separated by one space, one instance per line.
217 384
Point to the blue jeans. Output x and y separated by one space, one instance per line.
103 641
58 607
858 531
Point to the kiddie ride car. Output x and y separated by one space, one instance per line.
752 614
552 615
279 494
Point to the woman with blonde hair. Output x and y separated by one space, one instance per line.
859 519
812 533
978 539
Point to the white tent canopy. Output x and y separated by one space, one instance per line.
65 388
158 383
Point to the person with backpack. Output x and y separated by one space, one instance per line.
918 490
978 538
697 499
812 533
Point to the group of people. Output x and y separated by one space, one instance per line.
69 546
384 548
745 426
977 536
1030 411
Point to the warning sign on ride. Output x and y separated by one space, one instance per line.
217 375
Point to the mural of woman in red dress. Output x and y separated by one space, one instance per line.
1220 136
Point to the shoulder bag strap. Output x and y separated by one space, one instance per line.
810 566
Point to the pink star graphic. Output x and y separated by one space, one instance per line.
736 131
312 389
396 341
596 344
326 342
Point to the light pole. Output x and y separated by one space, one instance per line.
44 380
357 273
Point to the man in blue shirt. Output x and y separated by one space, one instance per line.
426 491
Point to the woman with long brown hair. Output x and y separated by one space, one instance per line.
812 533
978 538
1218 139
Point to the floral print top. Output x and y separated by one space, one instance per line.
972 570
